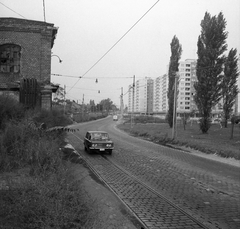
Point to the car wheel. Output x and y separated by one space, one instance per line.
85 148
110 152
89 151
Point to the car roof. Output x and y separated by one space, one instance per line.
97 131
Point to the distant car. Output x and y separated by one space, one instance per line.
115 117
98 141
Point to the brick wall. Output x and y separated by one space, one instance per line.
36 40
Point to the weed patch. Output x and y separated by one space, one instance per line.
36 187
44 202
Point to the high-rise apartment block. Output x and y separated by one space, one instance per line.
140 97
187 78
157 94
150 95
160 99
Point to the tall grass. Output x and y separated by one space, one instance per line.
10 109
216 142
53 202
23 146
37 190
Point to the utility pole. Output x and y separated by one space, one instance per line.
121 101
64 106
175 106
133 87
83 107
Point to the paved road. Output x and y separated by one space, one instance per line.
206 189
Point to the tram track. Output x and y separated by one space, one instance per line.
148 206
159 195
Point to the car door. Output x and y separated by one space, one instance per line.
86 140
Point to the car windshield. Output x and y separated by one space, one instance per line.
100 136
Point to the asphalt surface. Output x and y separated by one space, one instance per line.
207 190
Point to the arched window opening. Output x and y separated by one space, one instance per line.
10 58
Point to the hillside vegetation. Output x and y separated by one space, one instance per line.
36 187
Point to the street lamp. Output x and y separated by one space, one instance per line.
121 102
175 105
60 61
133 88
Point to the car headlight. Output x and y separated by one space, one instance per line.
94 145
109 145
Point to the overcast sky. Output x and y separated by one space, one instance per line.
89 28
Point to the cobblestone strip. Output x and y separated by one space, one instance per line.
194 190
152 209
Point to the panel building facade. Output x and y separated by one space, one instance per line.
186 91
151 95
142 100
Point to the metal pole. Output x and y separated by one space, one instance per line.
83 107
174 108
121 102
132 101
64 107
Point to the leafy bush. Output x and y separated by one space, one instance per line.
10 109
44 196
21 146
52 118
88 117
145 119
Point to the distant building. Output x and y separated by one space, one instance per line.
150 86
143 96
151 95
165 93
186 91
160 100
25 53
130 99
157 95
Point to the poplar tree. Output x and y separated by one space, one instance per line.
211 46
229 84
176 51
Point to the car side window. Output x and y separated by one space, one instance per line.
88 136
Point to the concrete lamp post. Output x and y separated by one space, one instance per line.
175 106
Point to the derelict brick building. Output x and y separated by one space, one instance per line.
25 57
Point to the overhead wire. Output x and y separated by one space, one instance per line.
13 10
115 43
118 77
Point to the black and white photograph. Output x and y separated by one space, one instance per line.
120 114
